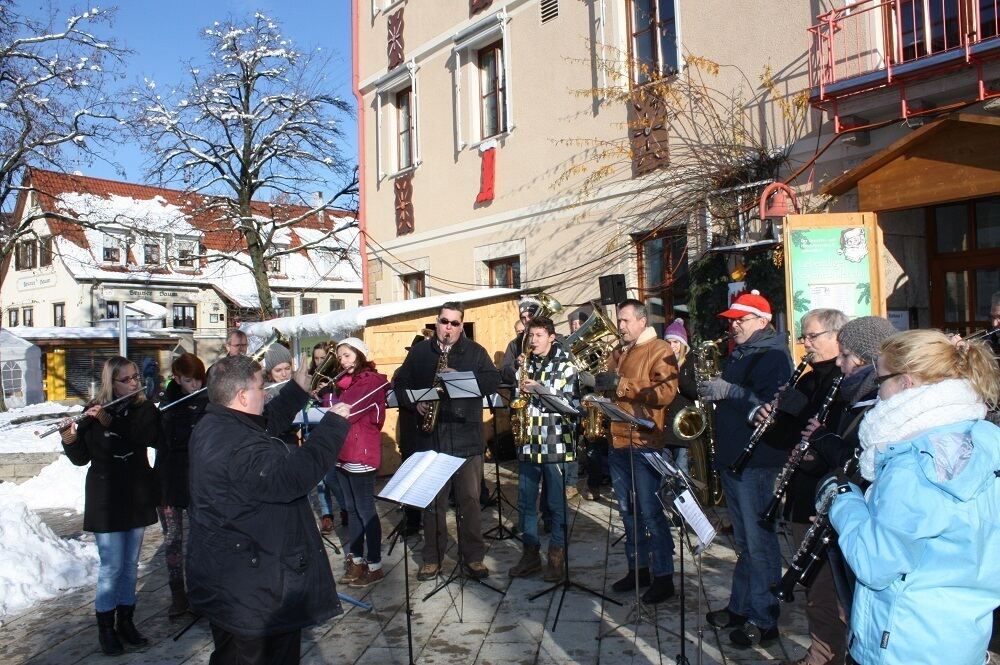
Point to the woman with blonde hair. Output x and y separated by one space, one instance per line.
121 495
922 539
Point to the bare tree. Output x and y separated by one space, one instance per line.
55 75
255 122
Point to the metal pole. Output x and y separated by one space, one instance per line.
122 326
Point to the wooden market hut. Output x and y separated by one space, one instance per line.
389 328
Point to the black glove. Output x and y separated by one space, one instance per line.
828 487
606 382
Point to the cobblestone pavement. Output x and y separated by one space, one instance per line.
466 625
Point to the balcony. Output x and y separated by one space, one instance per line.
870 45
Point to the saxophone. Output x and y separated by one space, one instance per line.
519 420
434 408
708 364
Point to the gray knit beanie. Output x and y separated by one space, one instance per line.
864 336
276 355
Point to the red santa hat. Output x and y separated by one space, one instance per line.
748 303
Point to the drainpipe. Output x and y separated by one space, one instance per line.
362 218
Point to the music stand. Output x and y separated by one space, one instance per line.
639 613
416 483
502 532
398 531
556 404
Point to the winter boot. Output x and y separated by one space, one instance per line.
627 583
126 629
661 589
529 564
179 601
556 570
110 644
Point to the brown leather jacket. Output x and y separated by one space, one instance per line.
648 372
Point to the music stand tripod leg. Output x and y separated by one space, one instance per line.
567 582
502 531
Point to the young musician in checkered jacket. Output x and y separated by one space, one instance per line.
548 448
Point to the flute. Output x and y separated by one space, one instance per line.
164 407
75 419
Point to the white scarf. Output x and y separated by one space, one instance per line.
907 414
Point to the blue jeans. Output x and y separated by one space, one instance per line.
119 552
597 462
329 489
682 458
655 544
363 526
530 475
758 559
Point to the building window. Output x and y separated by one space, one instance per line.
336 304
12 318
274 265
308 305
112 250
111 310
186 251
413 285
654 45
492 118
59 314
28 316
25 259
404 129
12 376
505 273
151 253
185 316
285 307
663 275
45 252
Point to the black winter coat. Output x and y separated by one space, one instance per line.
687 393
459 430
786 432
172 458
122 491
758 367
256 564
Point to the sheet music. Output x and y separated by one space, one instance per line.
461 384
420 478
617 414
422 395
557 404
314 415
692 513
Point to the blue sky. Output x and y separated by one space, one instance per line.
165 35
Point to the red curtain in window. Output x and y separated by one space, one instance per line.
487 178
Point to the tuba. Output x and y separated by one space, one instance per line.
590 347
322 374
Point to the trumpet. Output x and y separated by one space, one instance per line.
795 459
75 419
759 431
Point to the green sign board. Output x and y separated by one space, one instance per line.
829 267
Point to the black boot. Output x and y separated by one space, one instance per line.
110 644
179 602
126 629
661 589
627 583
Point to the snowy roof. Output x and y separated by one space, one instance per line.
143 307
32 333
135 209
346 321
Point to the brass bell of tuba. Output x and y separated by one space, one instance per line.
323 375
591 345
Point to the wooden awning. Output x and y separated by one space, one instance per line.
950 159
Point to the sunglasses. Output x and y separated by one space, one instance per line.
128 379
879 380
453 324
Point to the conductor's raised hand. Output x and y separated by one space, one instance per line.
301 375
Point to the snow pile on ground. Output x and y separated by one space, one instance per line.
19 437
35 564
59 485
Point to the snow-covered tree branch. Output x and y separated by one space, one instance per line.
255 123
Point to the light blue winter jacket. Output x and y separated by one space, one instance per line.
926 549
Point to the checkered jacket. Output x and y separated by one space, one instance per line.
550 435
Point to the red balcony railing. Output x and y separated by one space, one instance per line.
872 43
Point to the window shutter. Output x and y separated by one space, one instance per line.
478 5
550 10
395 39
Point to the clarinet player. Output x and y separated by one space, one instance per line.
456 429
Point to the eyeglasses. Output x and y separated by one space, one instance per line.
813 336
745 319
453 324
128 379
879 380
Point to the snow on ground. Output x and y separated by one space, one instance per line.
35 564
59 485
20 438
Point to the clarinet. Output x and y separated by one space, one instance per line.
759 431
795 459
809 557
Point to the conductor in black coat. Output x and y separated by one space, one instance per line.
257 568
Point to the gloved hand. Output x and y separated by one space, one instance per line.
828 487
715 389
606 382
